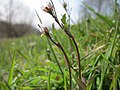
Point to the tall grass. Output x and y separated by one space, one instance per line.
36 62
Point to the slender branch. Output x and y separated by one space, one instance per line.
55 57
68 67
56 19
78 57
77 50
66 58
71 36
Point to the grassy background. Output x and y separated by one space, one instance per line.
29 62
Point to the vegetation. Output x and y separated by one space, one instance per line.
35 62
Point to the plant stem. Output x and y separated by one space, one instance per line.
78 57
68 67
55 57
66 58
73 39
77 50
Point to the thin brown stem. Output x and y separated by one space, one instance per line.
71 36
68 67
77 50
71 50
66 58
55 57
78 57
56 19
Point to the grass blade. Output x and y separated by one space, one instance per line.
23 55
65 84
113 85
103 18
49 74
108 61
12 69
81 85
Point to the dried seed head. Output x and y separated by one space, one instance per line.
43 30
49 8
65 5
46 31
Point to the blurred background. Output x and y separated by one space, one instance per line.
30 62
17 17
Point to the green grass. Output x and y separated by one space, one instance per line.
33 62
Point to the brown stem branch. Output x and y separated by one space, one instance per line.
77 50
66 58
78 57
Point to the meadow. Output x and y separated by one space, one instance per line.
33 62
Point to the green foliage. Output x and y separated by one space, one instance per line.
64 19
33 62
